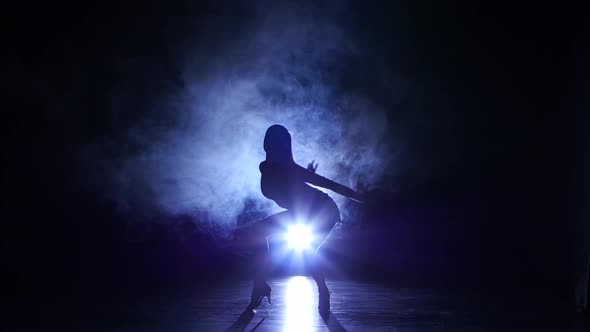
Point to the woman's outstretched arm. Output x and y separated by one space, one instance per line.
320 181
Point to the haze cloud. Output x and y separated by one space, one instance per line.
197 151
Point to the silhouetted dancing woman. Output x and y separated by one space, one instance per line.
285 182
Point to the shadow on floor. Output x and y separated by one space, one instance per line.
332 323
242 322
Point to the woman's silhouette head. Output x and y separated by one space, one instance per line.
277 144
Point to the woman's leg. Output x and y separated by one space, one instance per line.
258 240
317 272
329 216
261 230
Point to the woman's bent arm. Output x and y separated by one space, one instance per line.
320 181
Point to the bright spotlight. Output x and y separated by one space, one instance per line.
299 237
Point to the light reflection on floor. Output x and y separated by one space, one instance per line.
356 306
299 300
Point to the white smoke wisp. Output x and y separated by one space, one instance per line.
207 161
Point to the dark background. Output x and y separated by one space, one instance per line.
493 122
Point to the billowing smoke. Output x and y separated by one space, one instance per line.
198 151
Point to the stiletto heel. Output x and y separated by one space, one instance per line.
259 292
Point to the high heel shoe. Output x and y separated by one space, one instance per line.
259 292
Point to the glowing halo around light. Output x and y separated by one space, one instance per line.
299 237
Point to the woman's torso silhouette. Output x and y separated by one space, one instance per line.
288 185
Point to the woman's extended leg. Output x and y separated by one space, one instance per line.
261 230
329 216
317 272
258 239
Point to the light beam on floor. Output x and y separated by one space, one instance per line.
300 305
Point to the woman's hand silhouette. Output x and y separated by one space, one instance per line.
311 167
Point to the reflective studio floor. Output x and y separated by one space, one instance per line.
356 306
